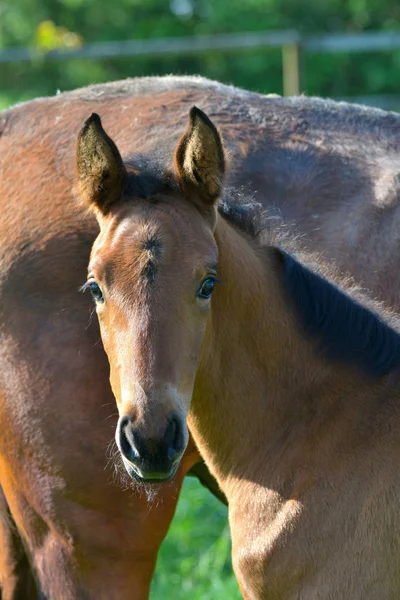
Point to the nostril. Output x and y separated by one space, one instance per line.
123 422
170 432
173 438
124 440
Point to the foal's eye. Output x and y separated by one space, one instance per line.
95 291
207 288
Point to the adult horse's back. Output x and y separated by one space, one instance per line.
333 169
84 536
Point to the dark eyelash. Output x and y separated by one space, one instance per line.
215 278
85 286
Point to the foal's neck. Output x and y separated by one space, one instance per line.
260 385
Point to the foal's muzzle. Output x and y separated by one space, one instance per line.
152 460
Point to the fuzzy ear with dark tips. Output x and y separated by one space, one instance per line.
99 167
200 159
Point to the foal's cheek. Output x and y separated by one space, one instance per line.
107 345
105 338
115 387
197 337
115 382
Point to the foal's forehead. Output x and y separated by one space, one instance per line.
163 232
146 225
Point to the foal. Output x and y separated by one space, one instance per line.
289 385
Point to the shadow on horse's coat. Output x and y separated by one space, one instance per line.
79 532
288 381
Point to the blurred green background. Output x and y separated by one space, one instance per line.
194 562
48 24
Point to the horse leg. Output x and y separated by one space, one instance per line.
16 578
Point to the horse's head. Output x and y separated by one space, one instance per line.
152 272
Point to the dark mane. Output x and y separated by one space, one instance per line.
242 212
346 323
345 329
148 178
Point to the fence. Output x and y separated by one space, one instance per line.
292 44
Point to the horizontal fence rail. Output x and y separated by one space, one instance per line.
361 42
291 43
368 41
203 43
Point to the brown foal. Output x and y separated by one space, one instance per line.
289 385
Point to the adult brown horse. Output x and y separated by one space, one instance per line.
290 386
81 536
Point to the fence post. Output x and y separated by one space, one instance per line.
291 64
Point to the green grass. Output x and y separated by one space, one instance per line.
195 559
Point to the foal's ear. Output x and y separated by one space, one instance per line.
99 167
200 159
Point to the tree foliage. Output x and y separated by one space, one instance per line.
47 24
